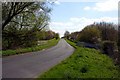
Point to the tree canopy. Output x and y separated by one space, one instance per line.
24 22
25 14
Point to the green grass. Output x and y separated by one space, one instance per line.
48 44
83 63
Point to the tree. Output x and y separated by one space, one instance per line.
109 31
20 25
119 37
66 34
75 36
90 35
25 14
11 9
57 36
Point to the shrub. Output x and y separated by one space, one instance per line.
110 48
90 35
13 38
57 36
8 52
108 31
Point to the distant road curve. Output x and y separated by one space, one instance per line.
32 64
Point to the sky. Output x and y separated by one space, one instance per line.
74 15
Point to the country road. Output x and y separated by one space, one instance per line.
32 64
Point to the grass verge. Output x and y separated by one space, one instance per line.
48 44
83 63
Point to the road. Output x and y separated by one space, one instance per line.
33 64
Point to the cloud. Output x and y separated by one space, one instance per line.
87 8
78 23
57 2
89 20
108 5
80 0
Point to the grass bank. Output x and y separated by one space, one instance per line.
48 44
83 63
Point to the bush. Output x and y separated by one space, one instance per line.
109 47
8 52
57 36
90 35
30 49
13 38
108 31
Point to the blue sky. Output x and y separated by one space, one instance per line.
74 16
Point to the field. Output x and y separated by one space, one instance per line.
46 44
84 63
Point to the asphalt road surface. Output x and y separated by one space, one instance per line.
33 64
